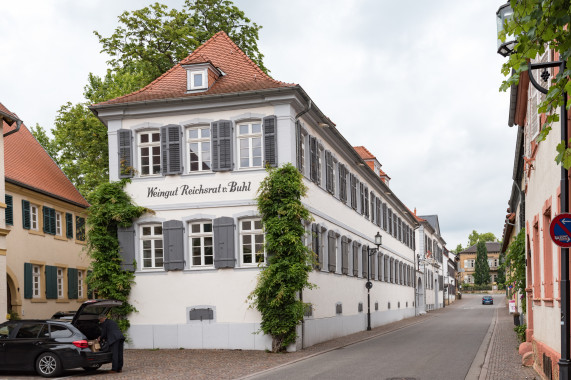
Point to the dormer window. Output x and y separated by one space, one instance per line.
200 76
197 79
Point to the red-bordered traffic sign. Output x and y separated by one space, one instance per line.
560 230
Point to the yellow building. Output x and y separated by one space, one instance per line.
46 262
468 262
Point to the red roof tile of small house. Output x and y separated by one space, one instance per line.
364 153
27 164
240 74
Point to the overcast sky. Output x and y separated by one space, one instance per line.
416 82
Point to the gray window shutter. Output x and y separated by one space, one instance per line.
378 211
315 246
344 255
126 237
331 251
25 214
171 149
51 282
173 242
384 207
353 185
313 159
381 262
298 146
28 286
125 152
365 206
271 140
365 258
373 266
72 283
329 185
221 145
224 242
342 183
355 259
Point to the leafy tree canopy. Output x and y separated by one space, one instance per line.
458 249
482 269
476 237
538 25
148 42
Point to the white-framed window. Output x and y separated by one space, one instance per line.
59 282
201 244
198 140
152 246
58 223
250 144
36 281
197 79
34 217
149 152
80 284
252 242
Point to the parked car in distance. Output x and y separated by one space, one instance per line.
487 300
49 346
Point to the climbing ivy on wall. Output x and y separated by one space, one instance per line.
111 207
515 265
289 261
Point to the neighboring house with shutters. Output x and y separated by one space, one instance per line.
45 215
468 262
432 264
195 143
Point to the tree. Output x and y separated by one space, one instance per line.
476 237
482 269
147 43
538 25
289 262
458 249
501 279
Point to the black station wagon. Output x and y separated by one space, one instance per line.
50 346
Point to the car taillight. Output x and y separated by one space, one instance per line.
81 343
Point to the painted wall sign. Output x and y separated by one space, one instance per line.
560 230
188 191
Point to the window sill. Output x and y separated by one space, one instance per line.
59 237
81 242
38 300
36 232
548 302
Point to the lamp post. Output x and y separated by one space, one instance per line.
369 284
503 13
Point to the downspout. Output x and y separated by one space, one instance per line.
302 112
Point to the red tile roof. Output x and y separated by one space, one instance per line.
27 164
241 74
364 153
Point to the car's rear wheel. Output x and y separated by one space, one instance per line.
48 365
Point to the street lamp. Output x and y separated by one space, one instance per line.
369 284
504 12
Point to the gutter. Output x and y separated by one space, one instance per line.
10 119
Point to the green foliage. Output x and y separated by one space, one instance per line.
458 249
476 237
482 269
515 266
159 37
148 42
538 25
520 331
111 207
501 279
44 140
286 274
467 287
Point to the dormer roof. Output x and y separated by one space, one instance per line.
27 164
239 74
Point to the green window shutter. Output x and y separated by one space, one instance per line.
80 228
51 282
68 225
25 214
46 219
72 283
9 210
49 220
28 286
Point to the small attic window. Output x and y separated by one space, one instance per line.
197 79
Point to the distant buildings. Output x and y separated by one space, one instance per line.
468 262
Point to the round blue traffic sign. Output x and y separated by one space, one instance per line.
560 230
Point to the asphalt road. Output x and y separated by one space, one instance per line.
440 348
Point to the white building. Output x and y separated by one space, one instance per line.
432 264
195 142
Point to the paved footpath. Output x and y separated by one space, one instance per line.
503 361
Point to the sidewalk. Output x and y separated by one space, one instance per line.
503 361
